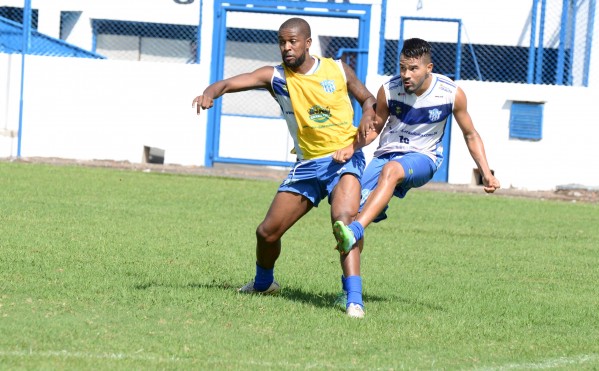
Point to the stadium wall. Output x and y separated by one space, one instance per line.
107 109
97 109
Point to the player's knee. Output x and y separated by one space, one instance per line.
346 218
392 173
266 235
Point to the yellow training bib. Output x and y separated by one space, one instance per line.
322 108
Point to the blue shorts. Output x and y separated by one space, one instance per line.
315 179
419 170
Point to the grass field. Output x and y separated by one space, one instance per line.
112 269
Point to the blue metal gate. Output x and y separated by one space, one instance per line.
245 38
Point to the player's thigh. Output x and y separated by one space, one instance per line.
286 209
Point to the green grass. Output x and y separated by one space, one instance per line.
109 269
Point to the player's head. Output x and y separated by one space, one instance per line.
415 65
295 38
416 48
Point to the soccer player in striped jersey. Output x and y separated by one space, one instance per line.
411 116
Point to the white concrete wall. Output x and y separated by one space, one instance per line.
106 109
98 109
563 156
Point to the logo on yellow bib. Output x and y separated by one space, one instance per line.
319 114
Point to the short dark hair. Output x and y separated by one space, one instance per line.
416 48
301 24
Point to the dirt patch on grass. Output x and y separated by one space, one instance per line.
569 193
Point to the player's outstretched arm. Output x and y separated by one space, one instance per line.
474 142
257 79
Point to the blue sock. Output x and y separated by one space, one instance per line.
358 230
264 278
354 290
343 284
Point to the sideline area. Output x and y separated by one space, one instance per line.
569 193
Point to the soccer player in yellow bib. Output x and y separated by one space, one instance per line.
314 96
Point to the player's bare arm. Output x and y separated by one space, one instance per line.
474 142
372 131
359 91
381 115
257 79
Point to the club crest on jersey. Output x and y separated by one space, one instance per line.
394 108
328 86
434 114
319 114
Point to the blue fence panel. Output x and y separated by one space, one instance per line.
11 41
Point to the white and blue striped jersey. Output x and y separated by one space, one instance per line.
417 123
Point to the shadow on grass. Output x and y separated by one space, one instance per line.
321 300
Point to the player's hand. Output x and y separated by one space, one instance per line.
202 102
344 154
490 184
366 126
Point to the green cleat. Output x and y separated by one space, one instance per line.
345 237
